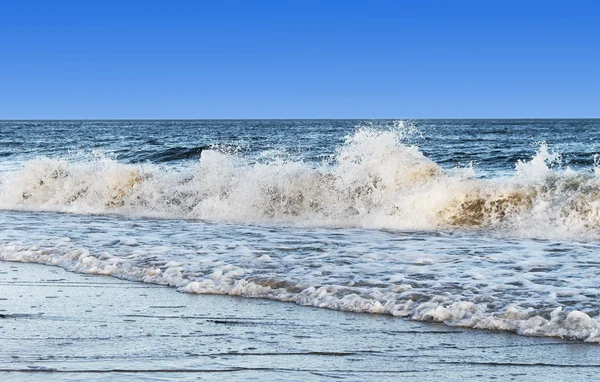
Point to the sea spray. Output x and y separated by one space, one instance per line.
375 181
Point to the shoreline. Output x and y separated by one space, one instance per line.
62 326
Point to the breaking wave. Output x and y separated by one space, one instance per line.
172 154
375 180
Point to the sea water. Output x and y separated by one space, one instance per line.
488 224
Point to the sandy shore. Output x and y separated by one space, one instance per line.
56 325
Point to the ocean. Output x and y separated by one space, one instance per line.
486 224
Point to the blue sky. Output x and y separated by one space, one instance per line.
299 59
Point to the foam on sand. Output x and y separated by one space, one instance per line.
545 290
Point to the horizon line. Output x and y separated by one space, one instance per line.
293 119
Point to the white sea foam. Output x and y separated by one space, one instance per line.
374 181
452 299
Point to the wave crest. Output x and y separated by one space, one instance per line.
376 180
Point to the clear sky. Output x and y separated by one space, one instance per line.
299 59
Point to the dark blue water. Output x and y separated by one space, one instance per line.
489 144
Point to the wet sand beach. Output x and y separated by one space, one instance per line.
56 325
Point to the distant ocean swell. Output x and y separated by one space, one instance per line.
375 180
